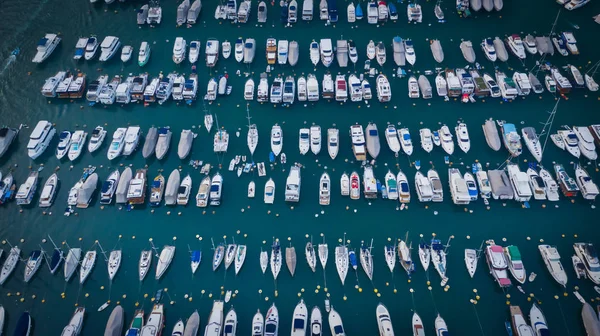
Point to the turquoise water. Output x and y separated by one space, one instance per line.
20 102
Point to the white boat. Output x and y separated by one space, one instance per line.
426 139
391 137
48 191
326 49
71 262
384 321
411 57
405 141
275 260
40 138
332 142
75 323
372 140
537 184
384 91
311 257
341 88
10 263
441 328
462 137
532 142
304 140
552 189
282 51
109 47
27 190
238 49
249 50
403 187
551 258
458 187
314 52
216 188
77 144
202 196
586 142
302 89
519 182
588 256
335 324
424 255
446 139
571 142
289 90
413 88
212 52
423 187
436 185
126 53
118 143
46 47
87 265
164 260
315 139
300 319
276 139
292 185
258 324
252 138
271 322
324 189
516 45
356 92
64 144
341 261
262 12
497 264
587 187
91 48
372 13
328 86
114 263
269 196
471 260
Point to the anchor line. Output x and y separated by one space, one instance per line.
549 123
478 320
562 314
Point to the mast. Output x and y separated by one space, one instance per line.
548 125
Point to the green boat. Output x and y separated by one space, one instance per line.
144 54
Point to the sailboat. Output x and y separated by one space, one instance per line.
264 260
323 253
424 255
218 255
276 259
240 257
341 261
230 254
390 257
366 260
290 259
87 265
404 256
114 263
438 257
311 257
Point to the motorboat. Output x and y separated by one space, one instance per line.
184 191
471 185
515 263
77 144
458 187
216 187
368 94
411 57
292 14
154 14
109 187
48 191
391 137
354 186
536 86
289 90
332 142
231 322
551 258
511 139
519 325
315 139
271 51
46 47
302 89
262 12
462 137
307 10
342 53
587 187
369 183
495 91
371 50
40 138
293 184
520 183
441 85
405 141
498 265
352 52
571 142
372 140
471 259
185 143
570 43
80 48
272 321
304 140
380 53
391 185
314 52
586 252
563 85
244 11
91 48
552 188
64 144
341 88
351 13
384 91
358 142
212 52
436 50
282 51
276 139
508 88
466 47
585 142
27 190
516 46
436 185
537 184
326 49
414 12
489 49
501 52
403 187
51 84
249 50
446 140
95 87
423 187
194 51
109 47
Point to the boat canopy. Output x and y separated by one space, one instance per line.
515 254
42 42
298 324
496 249
195 255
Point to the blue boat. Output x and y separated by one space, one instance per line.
195 258
352 257
272 157
16 51
392 11
358 12
284 11
23 327
55 261
333 13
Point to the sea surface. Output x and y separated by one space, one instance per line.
250 221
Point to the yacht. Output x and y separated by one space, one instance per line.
9 264
144 53
508 88
276 139
212 52
341 88
304 140
462 137
216 189
328 86
458 187
282 51
391 137
426 139
589 257
567 184
368 94
384 92
552 188
551 258
391 186
333 142
292 186
315 139
289 90
244 11
516 46
356 93
202 196
91 48
276 91
326 52
369 183
511 139
126 53
122 93
537 184
45 47
532 142
589 189
405 141
384 321
495 91
520 183
177 88
471 185
155 323
314 52
423 187
154 15
62 89
302 89
354 186
300 320
496 260
131 140
51 84
249 50
586 142
48 192
109 47
570 42
380 53
136 192
446 139
403 187
515 263
95 87
77 144
436 185
571 142
489 50
64 143
40 138
358 142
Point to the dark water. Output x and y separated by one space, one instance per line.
23 23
